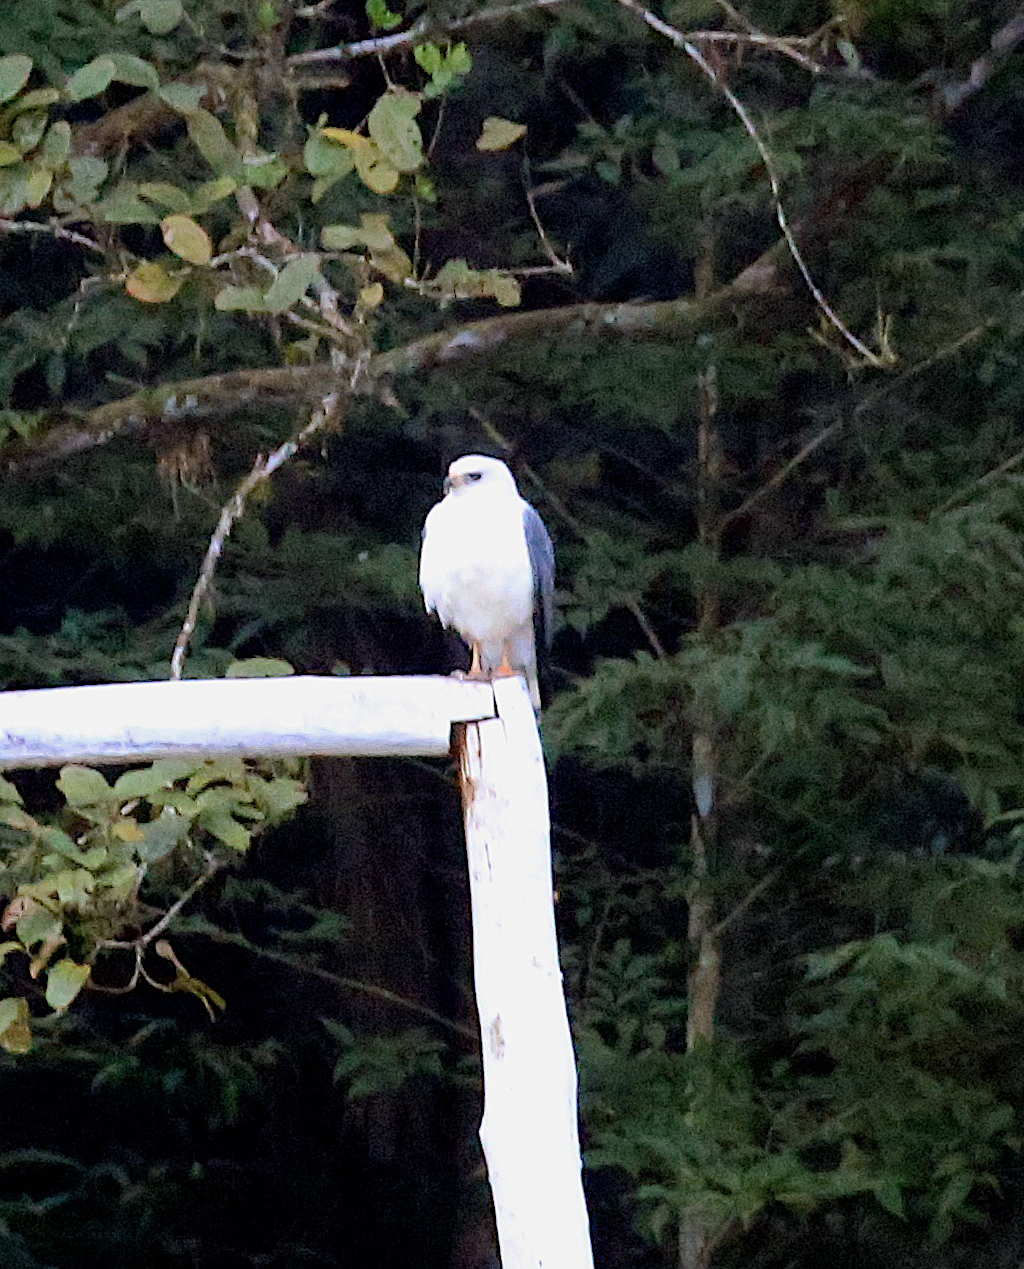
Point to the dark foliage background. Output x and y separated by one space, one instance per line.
786 744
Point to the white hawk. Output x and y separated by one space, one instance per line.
487 568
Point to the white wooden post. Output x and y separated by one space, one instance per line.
529 1131
300 715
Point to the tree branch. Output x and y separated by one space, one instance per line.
418 33
1002 44
262 470
230 392
883 361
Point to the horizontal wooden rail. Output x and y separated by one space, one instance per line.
360 716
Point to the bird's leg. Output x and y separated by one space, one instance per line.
475 673
505 669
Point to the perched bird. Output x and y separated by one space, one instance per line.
487 568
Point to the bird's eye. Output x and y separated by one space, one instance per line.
474 475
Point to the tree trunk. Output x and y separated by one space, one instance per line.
697 1240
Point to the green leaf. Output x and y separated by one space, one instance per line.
92 79
8 792
159 17
162 837
166 195
244 299
56 147
282 795
38 926
323 156
144 781
183 97
28 130
458 59
381 16
9 154
210 192
428 57
14 72
263 171
15 1035
123 879
63 983
123 206
395 132
87 175
152 284
374 170
291 283
223 825
57 840
499 134
259 668
73 886
374 232
212 142
129 69
9 1011
187 239
37 99
890 1196
84 786
506 290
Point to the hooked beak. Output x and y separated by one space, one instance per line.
448 485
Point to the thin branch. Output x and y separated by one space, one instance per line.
1002 44
425 29
52 229
560 264
791 48
229 392
782 475
349 984
697 57
138 945
750 897
990 478
262 470
887 388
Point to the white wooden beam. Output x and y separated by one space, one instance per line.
300 715
529 1131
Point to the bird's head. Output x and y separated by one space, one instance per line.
477 471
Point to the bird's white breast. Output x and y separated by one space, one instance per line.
474 567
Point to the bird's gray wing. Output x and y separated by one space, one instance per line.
542 564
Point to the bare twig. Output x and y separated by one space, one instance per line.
213 866
425 29
560 264
349 984
783 473
50 228
227 392
1002 44
138 945
697 57
885 389
264 467
750 897
990 478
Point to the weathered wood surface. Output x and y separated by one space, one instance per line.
529 1131
300 715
